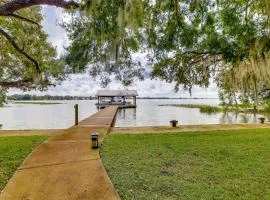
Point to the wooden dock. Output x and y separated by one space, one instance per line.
101 106
65 166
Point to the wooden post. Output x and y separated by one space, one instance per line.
76 107
134 100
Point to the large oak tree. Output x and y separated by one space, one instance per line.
186 41
27 60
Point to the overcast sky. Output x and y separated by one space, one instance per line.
84 85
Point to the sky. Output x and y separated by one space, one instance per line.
84 85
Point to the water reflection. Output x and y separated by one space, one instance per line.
122 113
234 117
54 116
147 113
267 115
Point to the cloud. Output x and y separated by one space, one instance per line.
84 85
53 17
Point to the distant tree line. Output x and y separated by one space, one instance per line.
27 97
172 98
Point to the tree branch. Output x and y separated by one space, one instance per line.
16 84
22 84
21 51
15 5
24 19
203 53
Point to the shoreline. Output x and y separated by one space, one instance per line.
142 129
30 132
186 128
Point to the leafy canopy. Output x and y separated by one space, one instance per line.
27 59
186 41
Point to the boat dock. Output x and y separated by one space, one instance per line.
118 98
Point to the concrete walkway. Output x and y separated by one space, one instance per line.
66 167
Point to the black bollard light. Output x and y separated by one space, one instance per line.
94 137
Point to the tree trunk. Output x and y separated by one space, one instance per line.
256 100
15 5
235 100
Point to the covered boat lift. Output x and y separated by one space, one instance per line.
116 97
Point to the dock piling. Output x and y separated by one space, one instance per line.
76 107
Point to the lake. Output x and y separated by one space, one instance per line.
147 113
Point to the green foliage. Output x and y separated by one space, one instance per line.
105 35
248 73
31 39
29 97
186 42
266 107
210 109
13 151
210 165
3 96
203 108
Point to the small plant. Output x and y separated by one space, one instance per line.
174 123
262 119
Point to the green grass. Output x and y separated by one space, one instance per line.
35 102
13 151
203 108
228 165
242 108
210 109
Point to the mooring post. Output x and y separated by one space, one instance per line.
76 107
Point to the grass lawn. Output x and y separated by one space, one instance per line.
231 164
13 151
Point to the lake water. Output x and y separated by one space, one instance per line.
34 116
147 113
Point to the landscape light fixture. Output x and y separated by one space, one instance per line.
94 137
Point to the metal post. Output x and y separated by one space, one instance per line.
76 107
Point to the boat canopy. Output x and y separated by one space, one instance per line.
117 93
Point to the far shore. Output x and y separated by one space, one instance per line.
35 102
